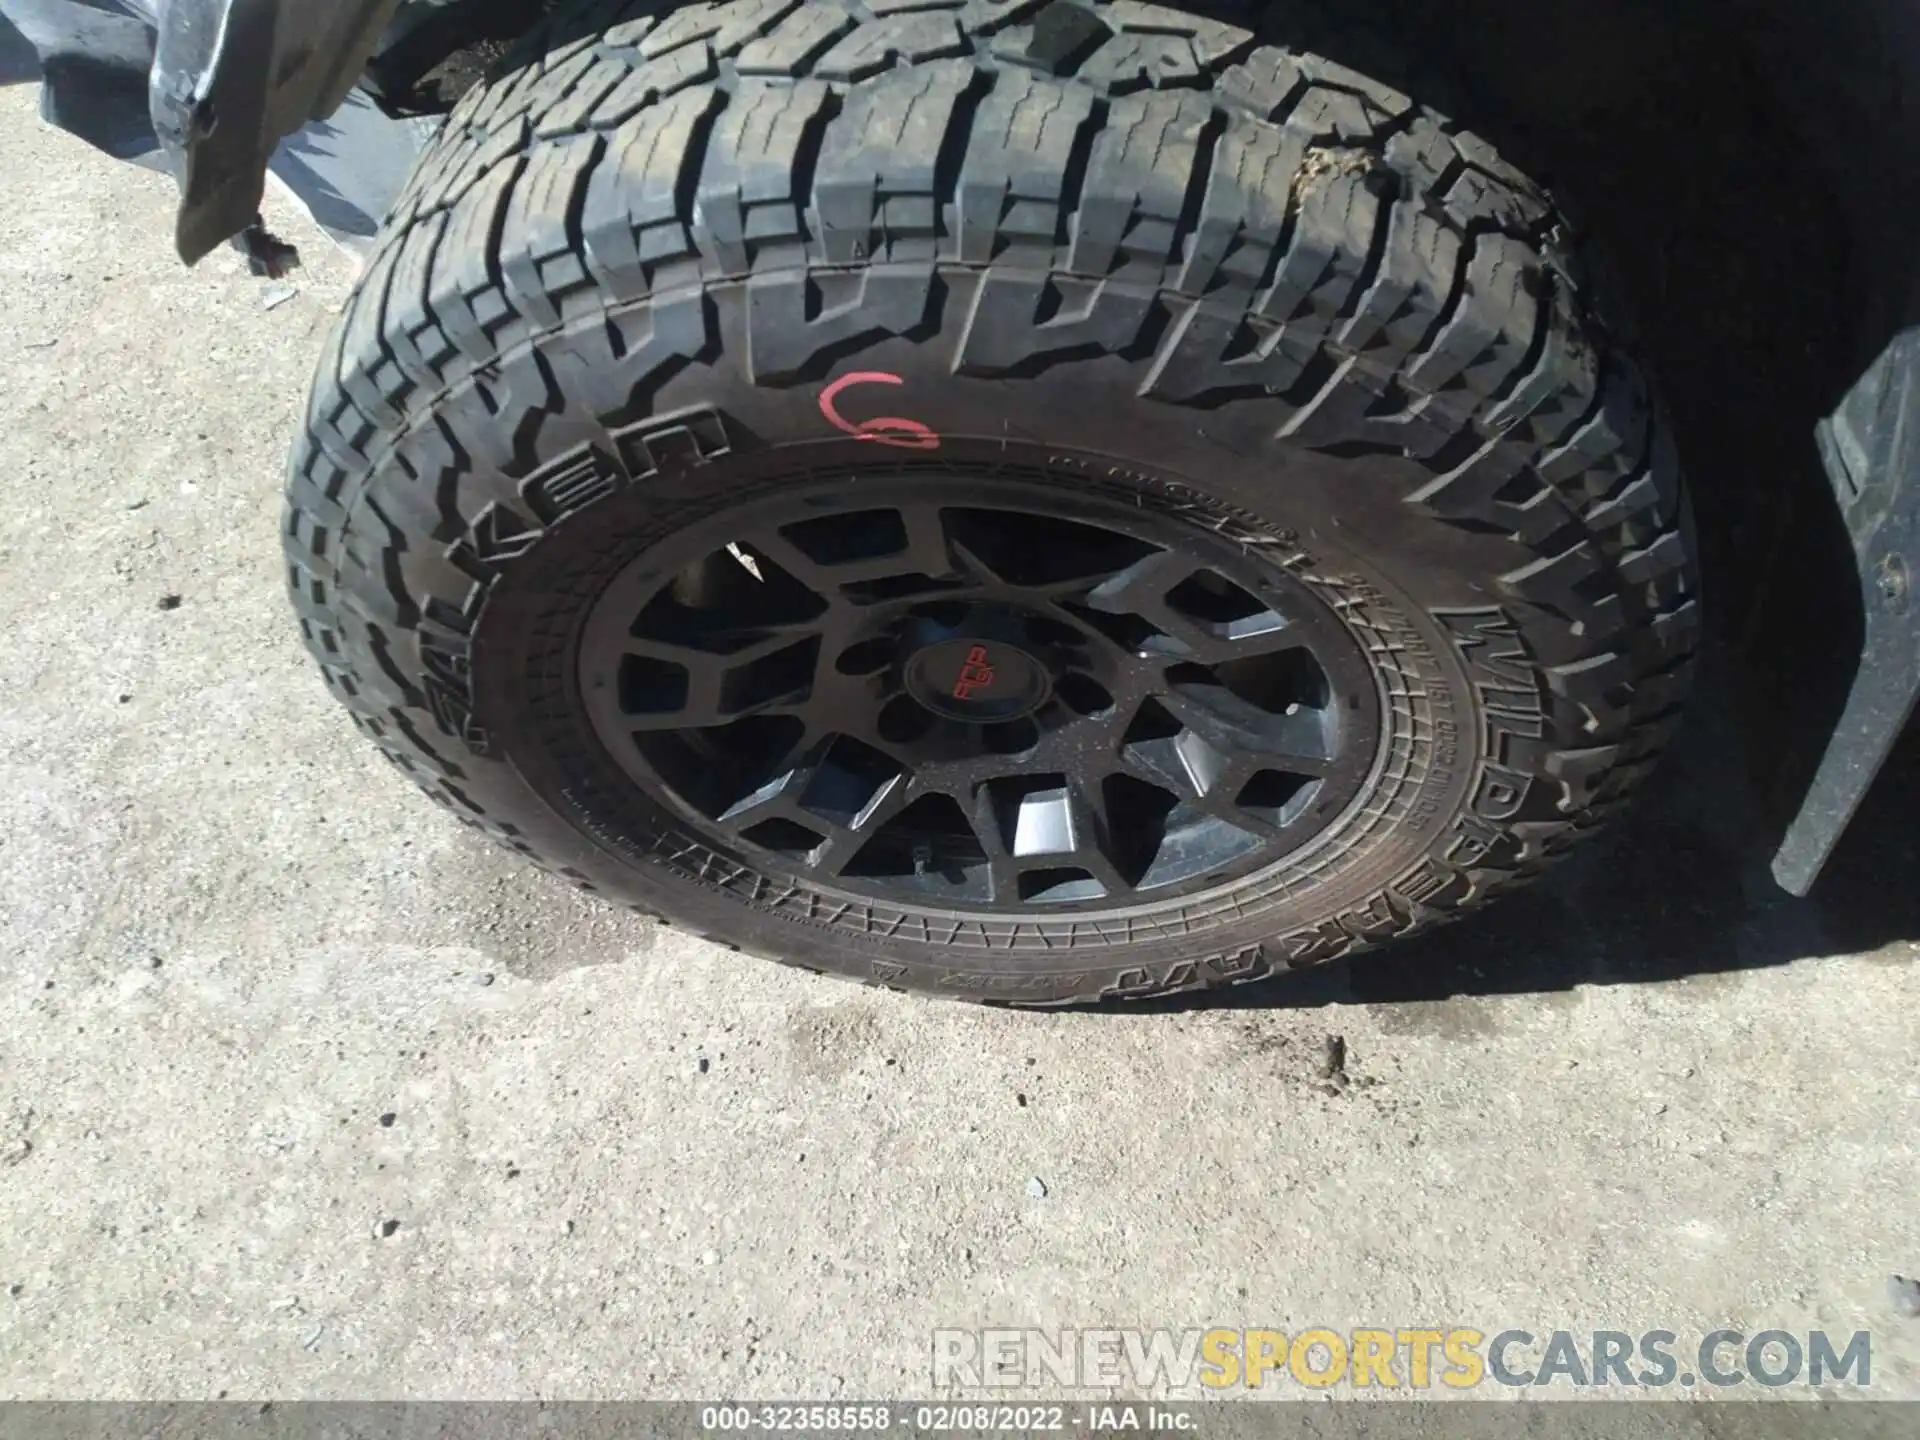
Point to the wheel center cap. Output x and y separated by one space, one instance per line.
978 680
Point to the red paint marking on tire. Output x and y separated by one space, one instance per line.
883 430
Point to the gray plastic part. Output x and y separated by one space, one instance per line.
1871 450
97 67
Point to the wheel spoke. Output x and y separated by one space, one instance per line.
814 737
975 570
1141 590
1187 764
1263 633
1145 590
1222 803
1241 819
763 644
983 814
1199 780
773 800
959 774
704 710
1099 843
845 841
1231 725
778 795
722 688
812 789
927 551
1061 828
796 562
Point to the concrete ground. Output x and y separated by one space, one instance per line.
305 1092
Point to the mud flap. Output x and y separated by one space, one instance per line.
1870 447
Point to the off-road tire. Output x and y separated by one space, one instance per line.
1108 241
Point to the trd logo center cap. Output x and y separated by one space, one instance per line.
979 681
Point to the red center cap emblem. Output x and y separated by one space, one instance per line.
976 673
978 681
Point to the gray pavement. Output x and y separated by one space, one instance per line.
305 1092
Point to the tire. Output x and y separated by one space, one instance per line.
665 274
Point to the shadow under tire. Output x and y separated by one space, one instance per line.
1032 501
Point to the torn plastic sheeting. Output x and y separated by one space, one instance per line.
95 65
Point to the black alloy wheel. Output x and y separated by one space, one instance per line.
994 699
